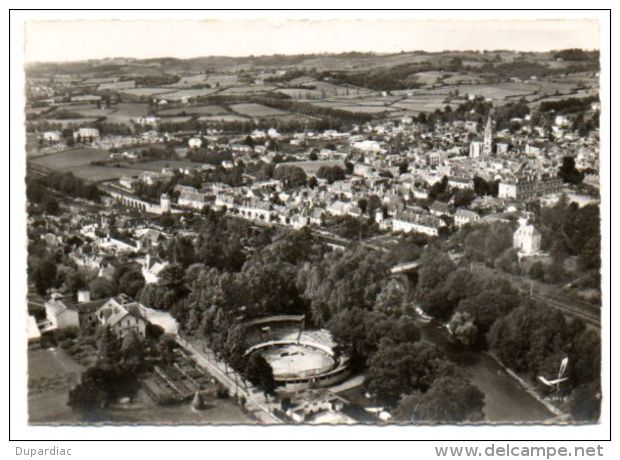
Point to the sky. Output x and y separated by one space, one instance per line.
47 41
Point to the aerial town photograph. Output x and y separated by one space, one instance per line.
323 237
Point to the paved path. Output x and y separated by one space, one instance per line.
254 397
348 384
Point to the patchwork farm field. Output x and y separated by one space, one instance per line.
577 94
494 91
429 78
462 79
422 104
122 112
330 89
367 108
222 80
191 80
300 93
309 89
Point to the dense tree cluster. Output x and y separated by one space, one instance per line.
568 105
446 292
115 372
340 281
533 339
391 78
451 399
67 183
576 54
488 313
486 243
331 173
311 110
213 157
287 76
568 172
43 272
350 227
570 230
441 191
290 176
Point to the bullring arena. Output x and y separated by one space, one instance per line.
300 358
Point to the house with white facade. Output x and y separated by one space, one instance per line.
527 238
465 216
413 222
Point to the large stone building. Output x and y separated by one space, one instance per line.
527 187
412 222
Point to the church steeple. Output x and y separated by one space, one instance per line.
487 147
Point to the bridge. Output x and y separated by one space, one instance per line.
405 267
405 274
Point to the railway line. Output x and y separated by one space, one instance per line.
589 315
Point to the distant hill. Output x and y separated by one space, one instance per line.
372 63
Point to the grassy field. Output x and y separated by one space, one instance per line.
102 173
578 94
247 89
78 162
494 91
199 110
144 91
300 93
461 79
428 78
72 122
144 411
222 80
158 165
222 117
320 89
124 112
550 87
36 110
365 108
176 119
256 110
186 93
330 89
422 104
51 374
84 110
311 167
71 158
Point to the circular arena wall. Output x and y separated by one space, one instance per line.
300 358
